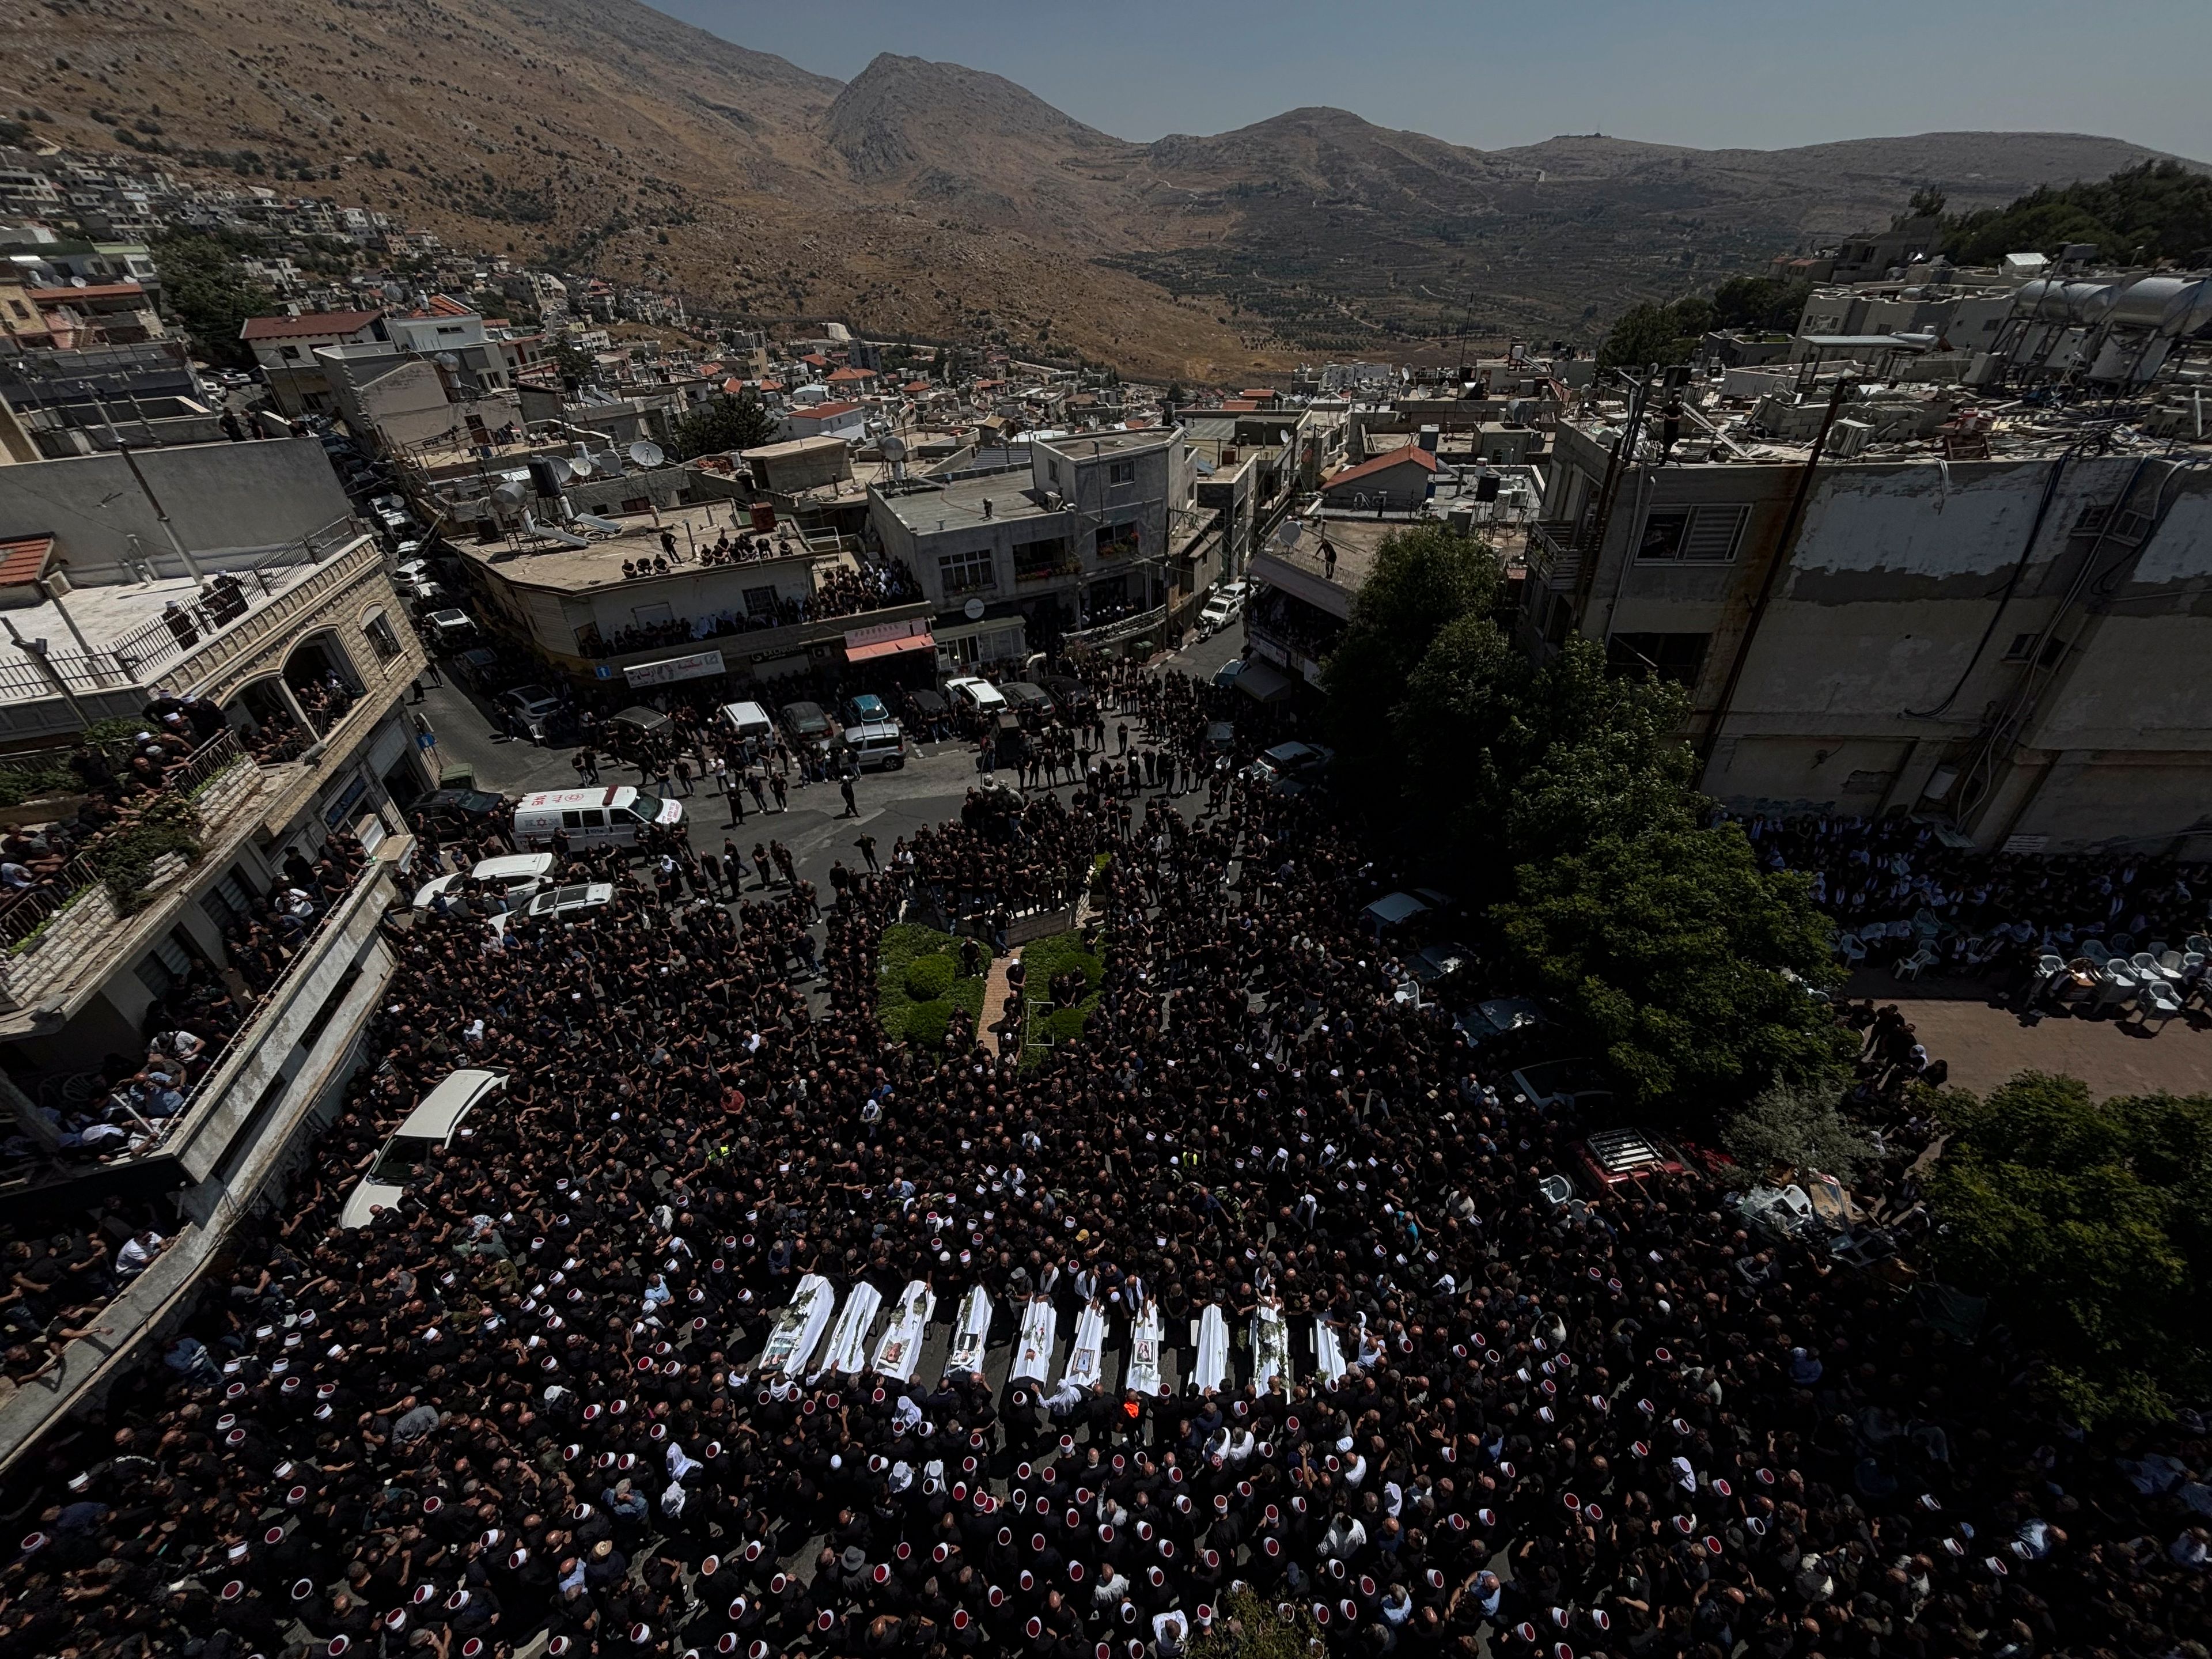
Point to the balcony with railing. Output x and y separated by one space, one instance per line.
168 634
176 1153
1554 556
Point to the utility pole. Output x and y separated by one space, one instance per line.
1783 543
169 530
36 651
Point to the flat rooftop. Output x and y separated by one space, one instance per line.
547 563
1080 444
118 617
960 504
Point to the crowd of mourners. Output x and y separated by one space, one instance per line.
1898 884
528 1399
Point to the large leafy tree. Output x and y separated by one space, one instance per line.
2087 1223
1425 578
205 285
724 423
1667 333
2162 208
1682 963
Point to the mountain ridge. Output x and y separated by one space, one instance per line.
947 201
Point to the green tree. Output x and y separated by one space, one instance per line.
2162 208
1248 1626
1771 303
1668 950
1606 757
1425 578
1797 1126
577 367
2087 1225
1645 334
205 287
722 424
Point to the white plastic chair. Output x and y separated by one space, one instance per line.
1910 966
1850 948
2094 950
2158 1004
2115 985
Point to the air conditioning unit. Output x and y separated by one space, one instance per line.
1848 438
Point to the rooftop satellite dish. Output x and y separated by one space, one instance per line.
894 449
580 466
646 453
508 493
449 359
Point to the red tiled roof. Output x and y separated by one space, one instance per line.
1256 392
848 374
1383 463
23 559
916 386
1237 405
824 410
308 325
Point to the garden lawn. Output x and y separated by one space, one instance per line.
919 984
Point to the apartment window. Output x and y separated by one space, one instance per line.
1121 472
966 572
381 639
760 602
1114 539
1679 658
1692 535
1040 560
167 966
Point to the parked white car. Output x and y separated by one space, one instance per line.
400 1162
1222 607
567 901
513 879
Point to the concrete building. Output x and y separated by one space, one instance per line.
2001 622
293 629
284 346
786 609
1398 479
1096 542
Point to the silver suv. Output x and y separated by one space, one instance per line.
876 745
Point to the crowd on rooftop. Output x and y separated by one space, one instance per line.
840 591
530 1398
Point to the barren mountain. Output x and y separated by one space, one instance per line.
932 198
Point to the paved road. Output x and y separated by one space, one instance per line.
927 790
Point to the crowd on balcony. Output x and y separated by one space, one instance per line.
841 592
115 782
59 1279
326 697
1897 886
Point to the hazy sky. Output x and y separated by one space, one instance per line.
1711 73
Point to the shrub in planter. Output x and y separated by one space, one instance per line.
928 978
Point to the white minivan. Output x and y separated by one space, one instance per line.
608 815
400 1162
749 720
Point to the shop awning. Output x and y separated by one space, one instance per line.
888 639
1262 681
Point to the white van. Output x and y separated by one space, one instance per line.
430 1124
611 815
513 879
749 720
